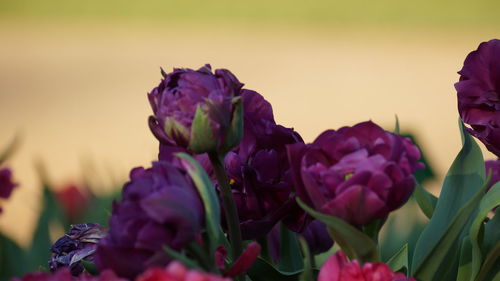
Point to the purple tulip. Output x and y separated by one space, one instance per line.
197 109
6 183
259 171
159 207
78 244
358 173
478 94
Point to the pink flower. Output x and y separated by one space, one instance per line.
337 268
177 272
64 274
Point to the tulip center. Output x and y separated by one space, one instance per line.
348 176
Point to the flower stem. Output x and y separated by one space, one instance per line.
232 220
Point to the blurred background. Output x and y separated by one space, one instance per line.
74 76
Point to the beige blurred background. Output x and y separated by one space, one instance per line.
74 75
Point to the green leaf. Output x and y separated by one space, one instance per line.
263 271
491 261
235 132
489 201
399 261
307 274
435 259
210 201
12 259
426 201
465 265
175 130
454 206
90 267
396 126
290 255
202 135
355 243
491 232
10 149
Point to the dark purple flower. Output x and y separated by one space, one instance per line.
197 109
78 244
64 274
478 94
493 166
159 207
317 237
259 171
358 173
6 183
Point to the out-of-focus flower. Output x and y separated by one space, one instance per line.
259 171
478 92
493 166
78 244
358 173
64 274
197 109
244 262
159 207
177 272
337 268
73 200
6 183
315 233
317 237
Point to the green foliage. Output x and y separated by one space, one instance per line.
202 136
426 201
290 255
399 262
460 196
353 242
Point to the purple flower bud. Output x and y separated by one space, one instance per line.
160 207
78 244
493 167
259 171
197 109
317 237
478 93
358 173
6 183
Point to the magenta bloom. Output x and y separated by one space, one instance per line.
478 94
358 173
197 109
6 183
337 268
78 244
159 207
177 272
259 171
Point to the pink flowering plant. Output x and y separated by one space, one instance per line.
234 195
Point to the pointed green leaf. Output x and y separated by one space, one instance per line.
490 265
463 181
90 267
175 130
489 201
290 255
209 198
235 132
465 265
396 126
189 263
426 201
399 262
427 268
202 135
355 243
263 271
10 149
307 274
491 232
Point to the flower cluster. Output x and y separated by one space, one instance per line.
236 196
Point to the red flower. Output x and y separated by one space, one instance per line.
337 268
177 272
73 201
